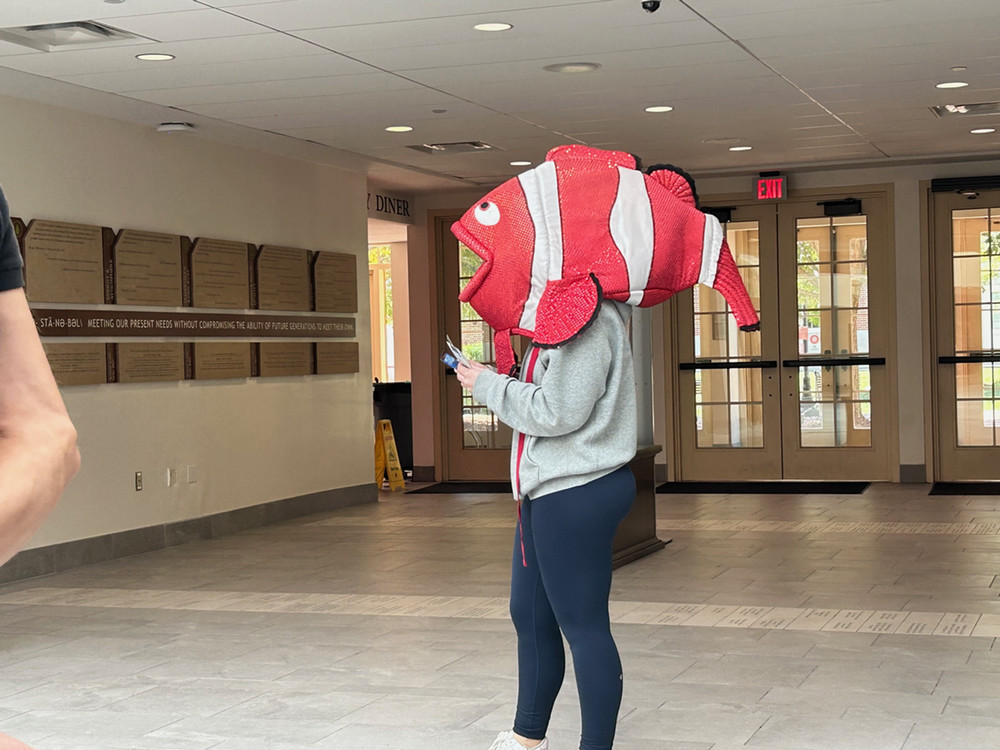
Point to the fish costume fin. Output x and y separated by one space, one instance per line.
597 157
673 182
566 309
729 283
503 353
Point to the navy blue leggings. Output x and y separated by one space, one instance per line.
565 587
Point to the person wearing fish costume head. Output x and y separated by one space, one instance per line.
568 249
586 225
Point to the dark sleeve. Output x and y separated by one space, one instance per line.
10 255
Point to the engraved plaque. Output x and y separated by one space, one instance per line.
220 274
64 262
144 363
218 361
338 357
280 358
336 279
148 268
283 279
78 364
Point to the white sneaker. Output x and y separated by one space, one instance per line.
506 741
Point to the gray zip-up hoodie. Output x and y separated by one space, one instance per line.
572 411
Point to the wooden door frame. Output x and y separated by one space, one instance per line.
481 467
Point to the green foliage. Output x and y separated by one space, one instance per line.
990 242
469 262
473 351
381 255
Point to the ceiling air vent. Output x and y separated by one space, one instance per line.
51 37
963 110
462 147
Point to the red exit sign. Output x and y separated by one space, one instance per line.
771 188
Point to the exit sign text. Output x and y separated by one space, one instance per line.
771 188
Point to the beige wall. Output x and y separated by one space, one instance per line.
251 441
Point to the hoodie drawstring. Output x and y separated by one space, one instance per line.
529 374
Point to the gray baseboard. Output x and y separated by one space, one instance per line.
59 557
912 473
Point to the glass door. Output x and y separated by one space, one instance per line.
477 443
835 337
808 396
730 420
967 297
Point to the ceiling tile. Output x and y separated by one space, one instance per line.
205 23
216 74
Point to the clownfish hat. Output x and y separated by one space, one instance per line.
583 226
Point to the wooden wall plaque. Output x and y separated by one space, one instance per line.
337 357
148 268
220 274
283 281
218 361
65 262
78 364
283 359
150 362
335 276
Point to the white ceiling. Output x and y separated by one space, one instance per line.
805 82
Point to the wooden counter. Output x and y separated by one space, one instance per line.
636 535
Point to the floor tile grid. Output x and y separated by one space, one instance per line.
709 687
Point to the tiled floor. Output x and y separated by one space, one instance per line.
861 622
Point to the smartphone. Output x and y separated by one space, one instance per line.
454 353
449 359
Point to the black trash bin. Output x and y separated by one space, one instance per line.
392 401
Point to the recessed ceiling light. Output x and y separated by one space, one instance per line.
520 163
959 68
952 85
154 57
981 131
175 127
399 129
741 148
572 67
493 27
662 108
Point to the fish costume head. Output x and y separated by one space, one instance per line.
584 226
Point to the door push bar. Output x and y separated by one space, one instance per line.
965 358
755 364
833 362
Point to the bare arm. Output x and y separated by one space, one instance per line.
38 454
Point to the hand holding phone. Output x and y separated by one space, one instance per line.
456 353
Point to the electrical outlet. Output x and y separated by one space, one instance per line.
138 481
192 473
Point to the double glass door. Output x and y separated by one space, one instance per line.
806 397
967 335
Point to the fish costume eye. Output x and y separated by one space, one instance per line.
487 213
